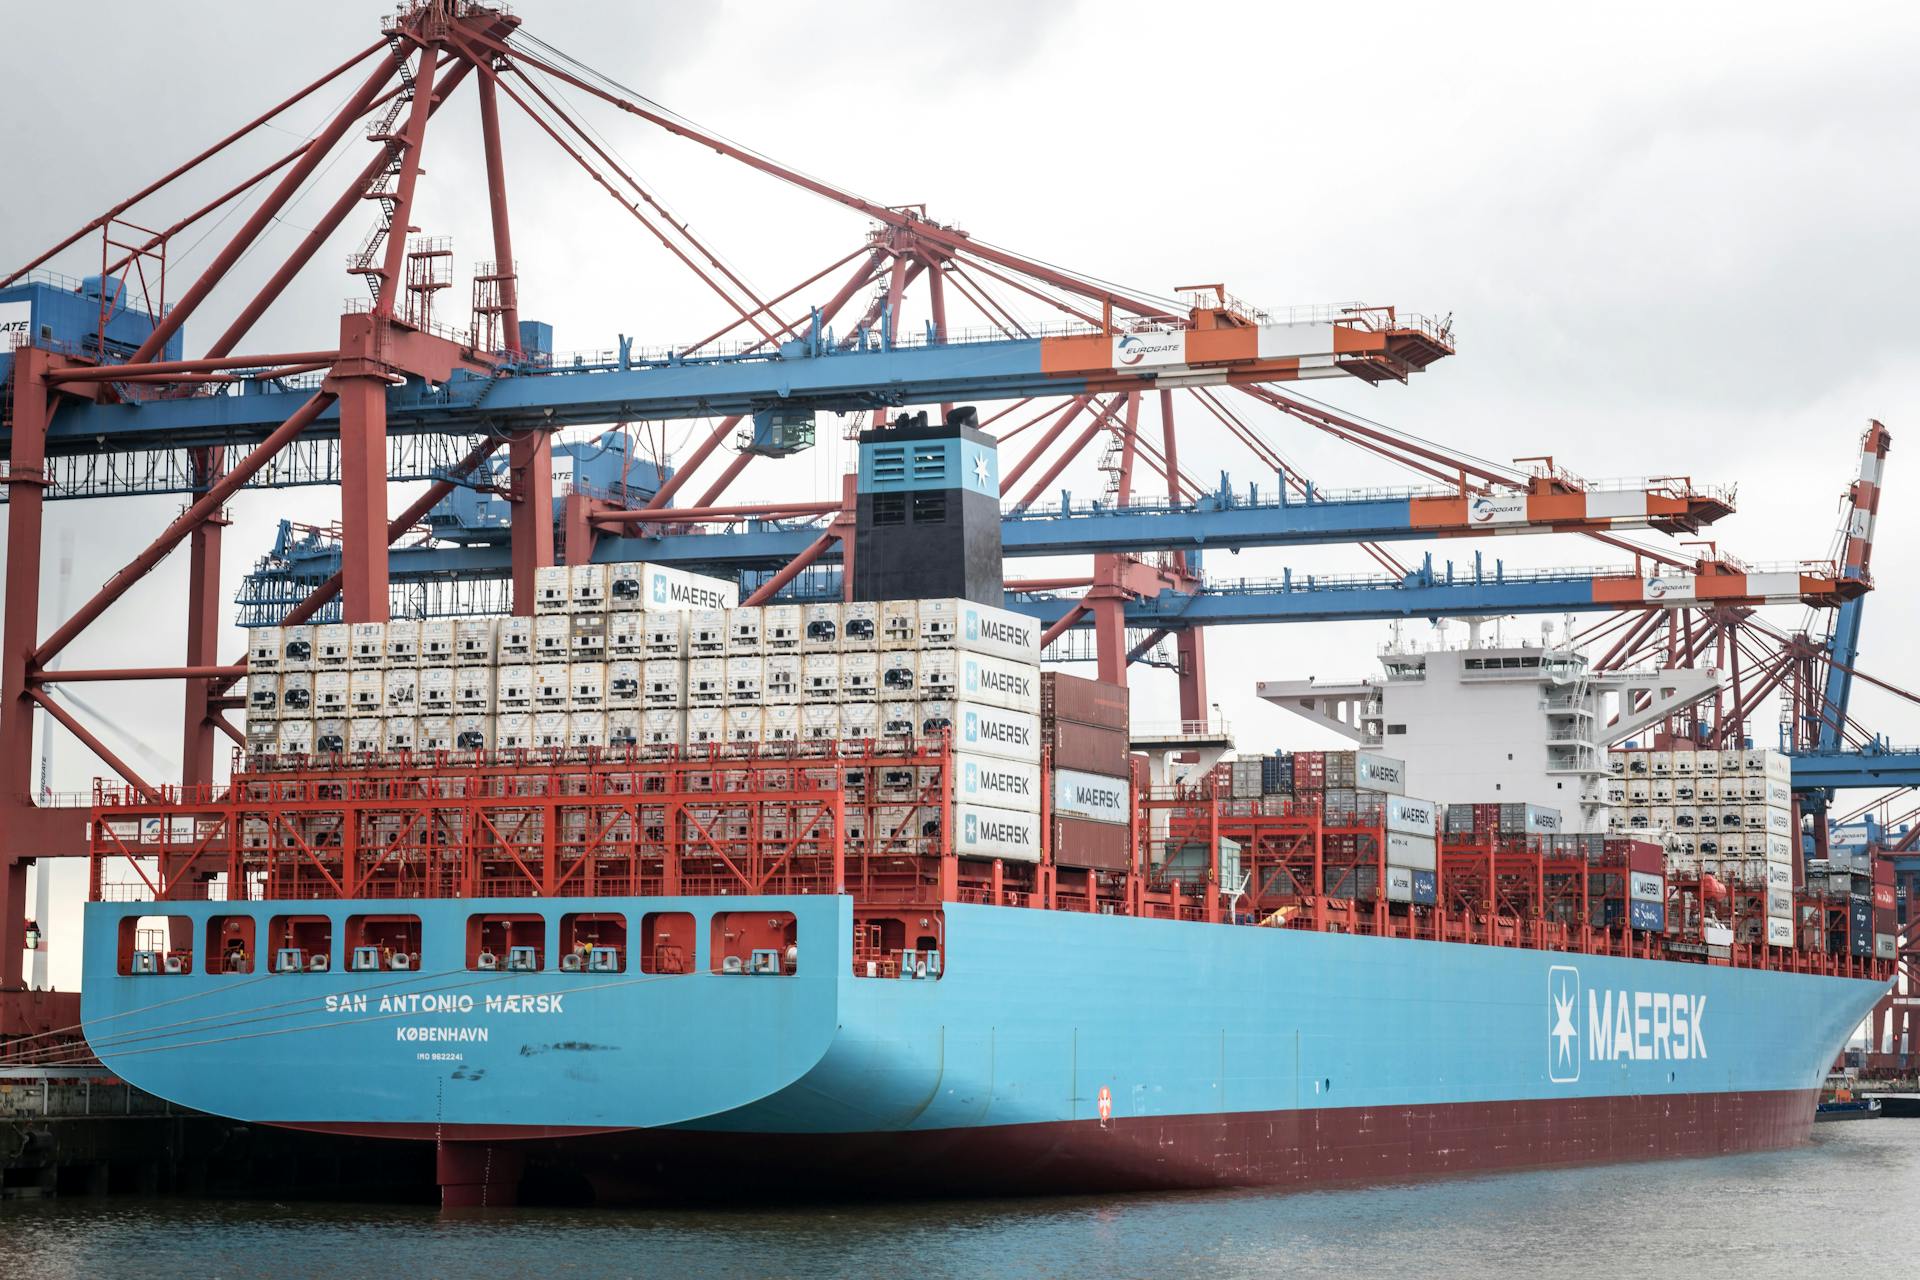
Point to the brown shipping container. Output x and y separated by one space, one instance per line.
1078 842
1087 749
1064 697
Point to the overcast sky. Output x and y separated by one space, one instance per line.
1673 239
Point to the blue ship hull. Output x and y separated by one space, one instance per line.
1058 1051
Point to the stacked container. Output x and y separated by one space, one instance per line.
1086 726
570 675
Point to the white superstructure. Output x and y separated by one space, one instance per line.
1491 721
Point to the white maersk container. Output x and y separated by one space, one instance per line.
587 637
295 738
587 588
1004 784
781 723
263 696
663 683
399 733
939 622
744 724
746 681
627 635
552 637
707 632
434 691
264 650
706 682
331 690
781 683
819 722
899 673
513 640
587 729
1412 816
366 691
780 628
513 731
403 642
999 683
745 637
899 719
990 730
1399 884
296 695
1091 795
859 677
623 729
663 727
859 721
982 832
706 726
820 628
436 734
820 677
859 626
939 674
623 685
999 633
332 644
552 588
513 688
473 691
1779 932
588 680
1419 853
899 623
367 644
675 589
552 688
296 648
329 736
436 642
472 733
666 635
549 730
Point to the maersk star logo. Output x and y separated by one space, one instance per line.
973 727
1563 1026
659 588
981 471
970 824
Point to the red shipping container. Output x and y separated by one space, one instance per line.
1090 702
1078 842
1883 899
1088 749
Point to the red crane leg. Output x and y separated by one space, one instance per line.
1191 646
363 495
530 466
25 495
1110 637
203 631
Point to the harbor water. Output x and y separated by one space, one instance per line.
1843 1200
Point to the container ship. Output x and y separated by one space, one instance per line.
649 893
